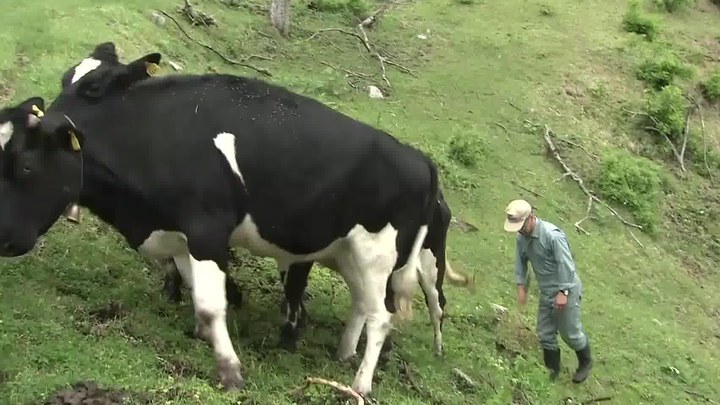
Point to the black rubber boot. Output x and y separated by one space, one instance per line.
585 363
552 362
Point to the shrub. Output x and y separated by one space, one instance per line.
666 110
639 24
633 181
662 69
464 151
711 87
672 6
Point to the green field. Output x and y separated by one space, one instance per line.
480 86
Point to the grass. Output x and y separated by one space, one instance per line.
652 312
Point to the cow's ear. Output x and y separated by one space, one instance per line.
105 52
143 68
64 133
35 105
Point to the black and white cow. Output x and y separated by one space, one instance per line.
185 166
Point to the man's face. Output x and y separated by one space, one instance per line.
528 226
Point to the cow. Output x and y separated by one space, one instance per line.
185 166
294 276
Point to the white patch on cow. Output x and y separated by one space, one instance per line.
428 278
85 67
225 142
164 244
6 132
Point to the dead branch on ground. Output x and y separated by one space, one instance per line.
595 400
702 130
225 58
701 396
196 16
342 388
529 190
577 145
363 38
592 198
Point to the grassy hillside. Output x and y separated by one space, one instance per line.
485 79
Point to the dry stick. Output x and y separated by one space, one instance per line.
594 400
531 191
702 128
348 72
577 145
342 388
591 197
225 58
699 395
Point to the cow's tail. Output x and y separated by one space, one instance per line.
455 277
406 279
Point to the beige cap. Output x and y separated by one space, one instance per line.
517 212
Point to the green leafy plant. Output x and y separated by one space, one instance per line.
666 110
633 181
662 69
711 87
634 21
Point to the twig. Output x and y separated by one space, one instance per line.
348 72
342 388
531 191
702 129
501 126
594 400
699 395
591 197
577 145
208 47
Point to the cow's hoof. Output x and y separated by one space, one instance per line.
230 376
438 350
363 388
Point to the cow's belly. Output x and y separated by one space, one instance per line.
246 235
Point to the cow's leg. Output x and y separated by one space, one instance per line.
432 288
294 282
174 281
208 291
356 321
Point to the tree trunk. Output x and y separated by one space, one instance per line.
280 15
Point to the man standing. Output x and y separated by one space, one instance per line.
546 247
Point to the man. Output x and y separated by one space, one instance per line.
546 247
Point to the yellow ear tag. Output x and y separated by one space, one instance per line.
151 68
74 141
37 111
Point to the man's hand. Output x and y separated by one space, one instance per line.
522 295
560 301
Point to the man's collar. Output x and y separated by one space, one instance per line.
536 230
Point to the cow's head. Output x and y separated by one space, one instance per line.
40 173
102 72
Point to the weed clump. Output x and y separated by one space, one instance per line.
662 69
633 181
666 110
672 6
711 87
464 152
635 22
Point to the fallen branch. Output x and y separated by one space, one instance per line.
225 58
347 72
699 395
577 145
363 38
595 400
702 129
195 16
531 191
591 197
342 388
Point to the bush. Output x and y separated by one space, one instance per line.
639 24
666 110
672 6
633 181
711 87
464 152
662 69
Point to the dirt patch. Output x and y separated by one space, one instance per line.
110 312
181 368
88 393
